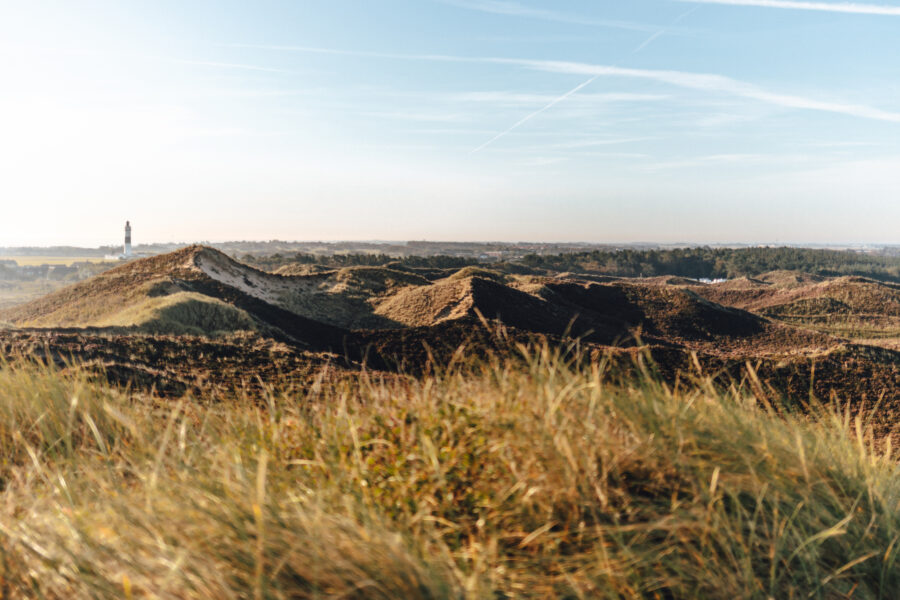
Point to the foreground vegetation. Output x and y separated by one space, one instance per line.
525 478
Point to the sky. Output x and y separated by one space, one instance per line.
699 121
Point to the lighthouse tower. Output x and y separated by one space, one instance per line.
127 239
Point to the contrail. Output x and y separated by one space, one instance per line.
535 113
705 82
581 86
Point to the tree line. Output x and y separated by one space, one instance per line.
337 261
696 263
721 263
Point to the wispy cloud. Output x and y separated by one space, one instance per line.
844 144
357 53
225 65
515 9
576 148
251 93
543 161
839 7
414 116
660 31
715 83
694 81
735 160
597 142
446 131
515 98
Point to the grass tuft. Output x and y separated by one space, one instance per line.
526 478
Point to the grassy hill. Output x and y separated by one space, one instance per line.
195 290
524 479
851 307
790 325
200 290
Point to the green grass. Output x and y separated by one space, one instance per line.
509 479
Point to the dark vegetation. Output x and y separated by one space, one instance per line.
336 261
697 263
721 263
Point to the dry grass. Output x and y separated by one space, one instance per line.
507 479
428 305
467 272
182 313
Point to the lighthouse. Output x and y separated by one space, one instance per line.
127 239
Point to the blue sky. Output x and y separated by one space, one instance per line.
588 120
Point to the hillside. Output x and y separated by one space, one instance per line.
195 290
852 307
199 290
791 325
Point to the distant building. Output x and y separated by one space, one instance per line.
126 249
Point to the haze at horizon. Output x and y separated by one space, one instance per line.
655 120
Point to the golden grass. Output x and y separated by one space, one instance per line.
181 313
507 479
33 261
467 272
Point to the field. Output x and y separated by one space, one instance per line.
531 478
33 261
13 293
